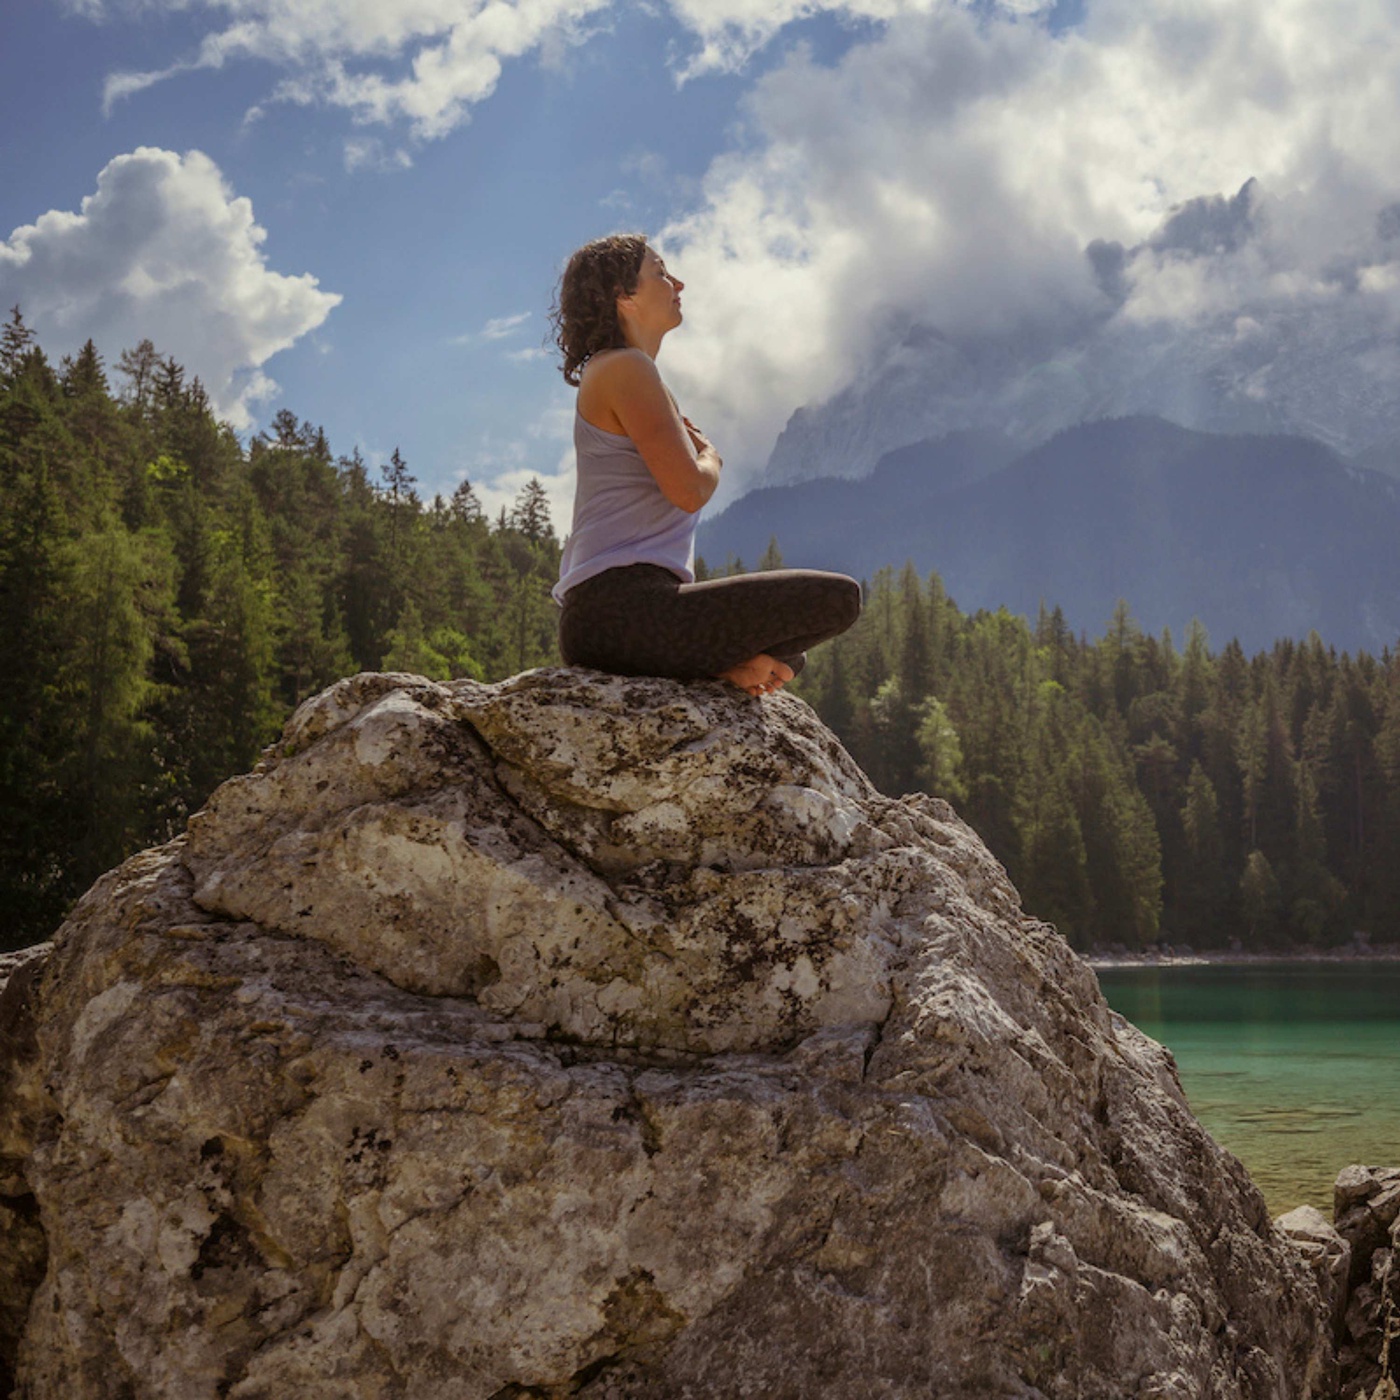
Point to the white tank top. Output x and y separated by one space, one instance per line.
620 515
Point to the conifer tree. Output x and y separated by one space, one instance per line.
139 367
1383 907
1054 873
410 650
941 768
122 589
1313 895
915 650
530 513
1198 906
39 810
836 706
1261 900
16 341
465 507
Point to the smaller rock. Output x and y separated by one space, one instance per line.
1368 1218
1372 1205
1327 1252
1357 1183
1385 1204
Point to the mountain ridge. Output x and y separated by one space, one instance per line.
1258 536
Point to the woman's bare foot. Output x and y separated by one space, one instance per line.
760 675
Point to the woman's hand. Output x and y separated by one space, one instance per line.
698 439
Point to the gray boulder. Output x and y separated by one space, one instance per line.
610 1038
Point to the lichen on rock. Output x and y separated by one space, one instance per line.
580 1035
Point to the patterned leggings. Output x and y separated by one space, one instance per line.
641 620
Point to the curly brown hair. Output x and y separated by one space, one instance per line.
584 314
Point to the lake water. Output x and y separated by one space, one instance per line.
1294 1067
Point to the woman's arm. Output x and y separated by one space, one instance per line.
626 385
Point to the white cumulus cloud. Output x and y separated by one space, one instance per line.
950 174
164 251
353 53
428 62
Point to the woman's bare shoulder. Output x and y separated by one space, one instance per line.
623 365
618 382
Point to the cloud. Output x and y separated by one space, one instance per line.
164 251
498 469
118 86
988 182
352 53
730 32
366 153
967 176
501 489
501 326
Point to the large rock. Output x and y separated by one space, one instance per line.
613 1038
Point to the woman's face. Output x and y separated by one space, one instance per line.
655 305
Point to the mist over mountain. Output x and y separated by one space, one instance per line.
1228 319
1259 536
834 517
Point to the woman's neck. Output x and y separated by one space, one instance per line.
648 342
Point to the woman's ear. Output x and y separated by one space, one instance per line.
626 305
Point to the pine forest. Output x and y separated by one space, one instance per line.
168 594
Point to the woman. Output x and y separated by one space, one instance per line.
627 582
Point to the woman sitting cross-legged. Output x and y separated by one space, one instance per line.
627 586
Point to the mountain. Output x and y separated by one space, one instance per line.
1211 322
1258 536
1284 373
817 515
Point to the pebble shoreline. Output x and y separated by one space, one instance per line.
1386 953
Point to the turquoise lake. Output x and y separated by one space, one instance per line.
1294 1067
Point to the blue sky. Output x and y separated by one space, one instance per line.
815 173
424 258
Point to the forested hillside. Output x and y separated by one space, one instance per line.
167 596
1135 791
